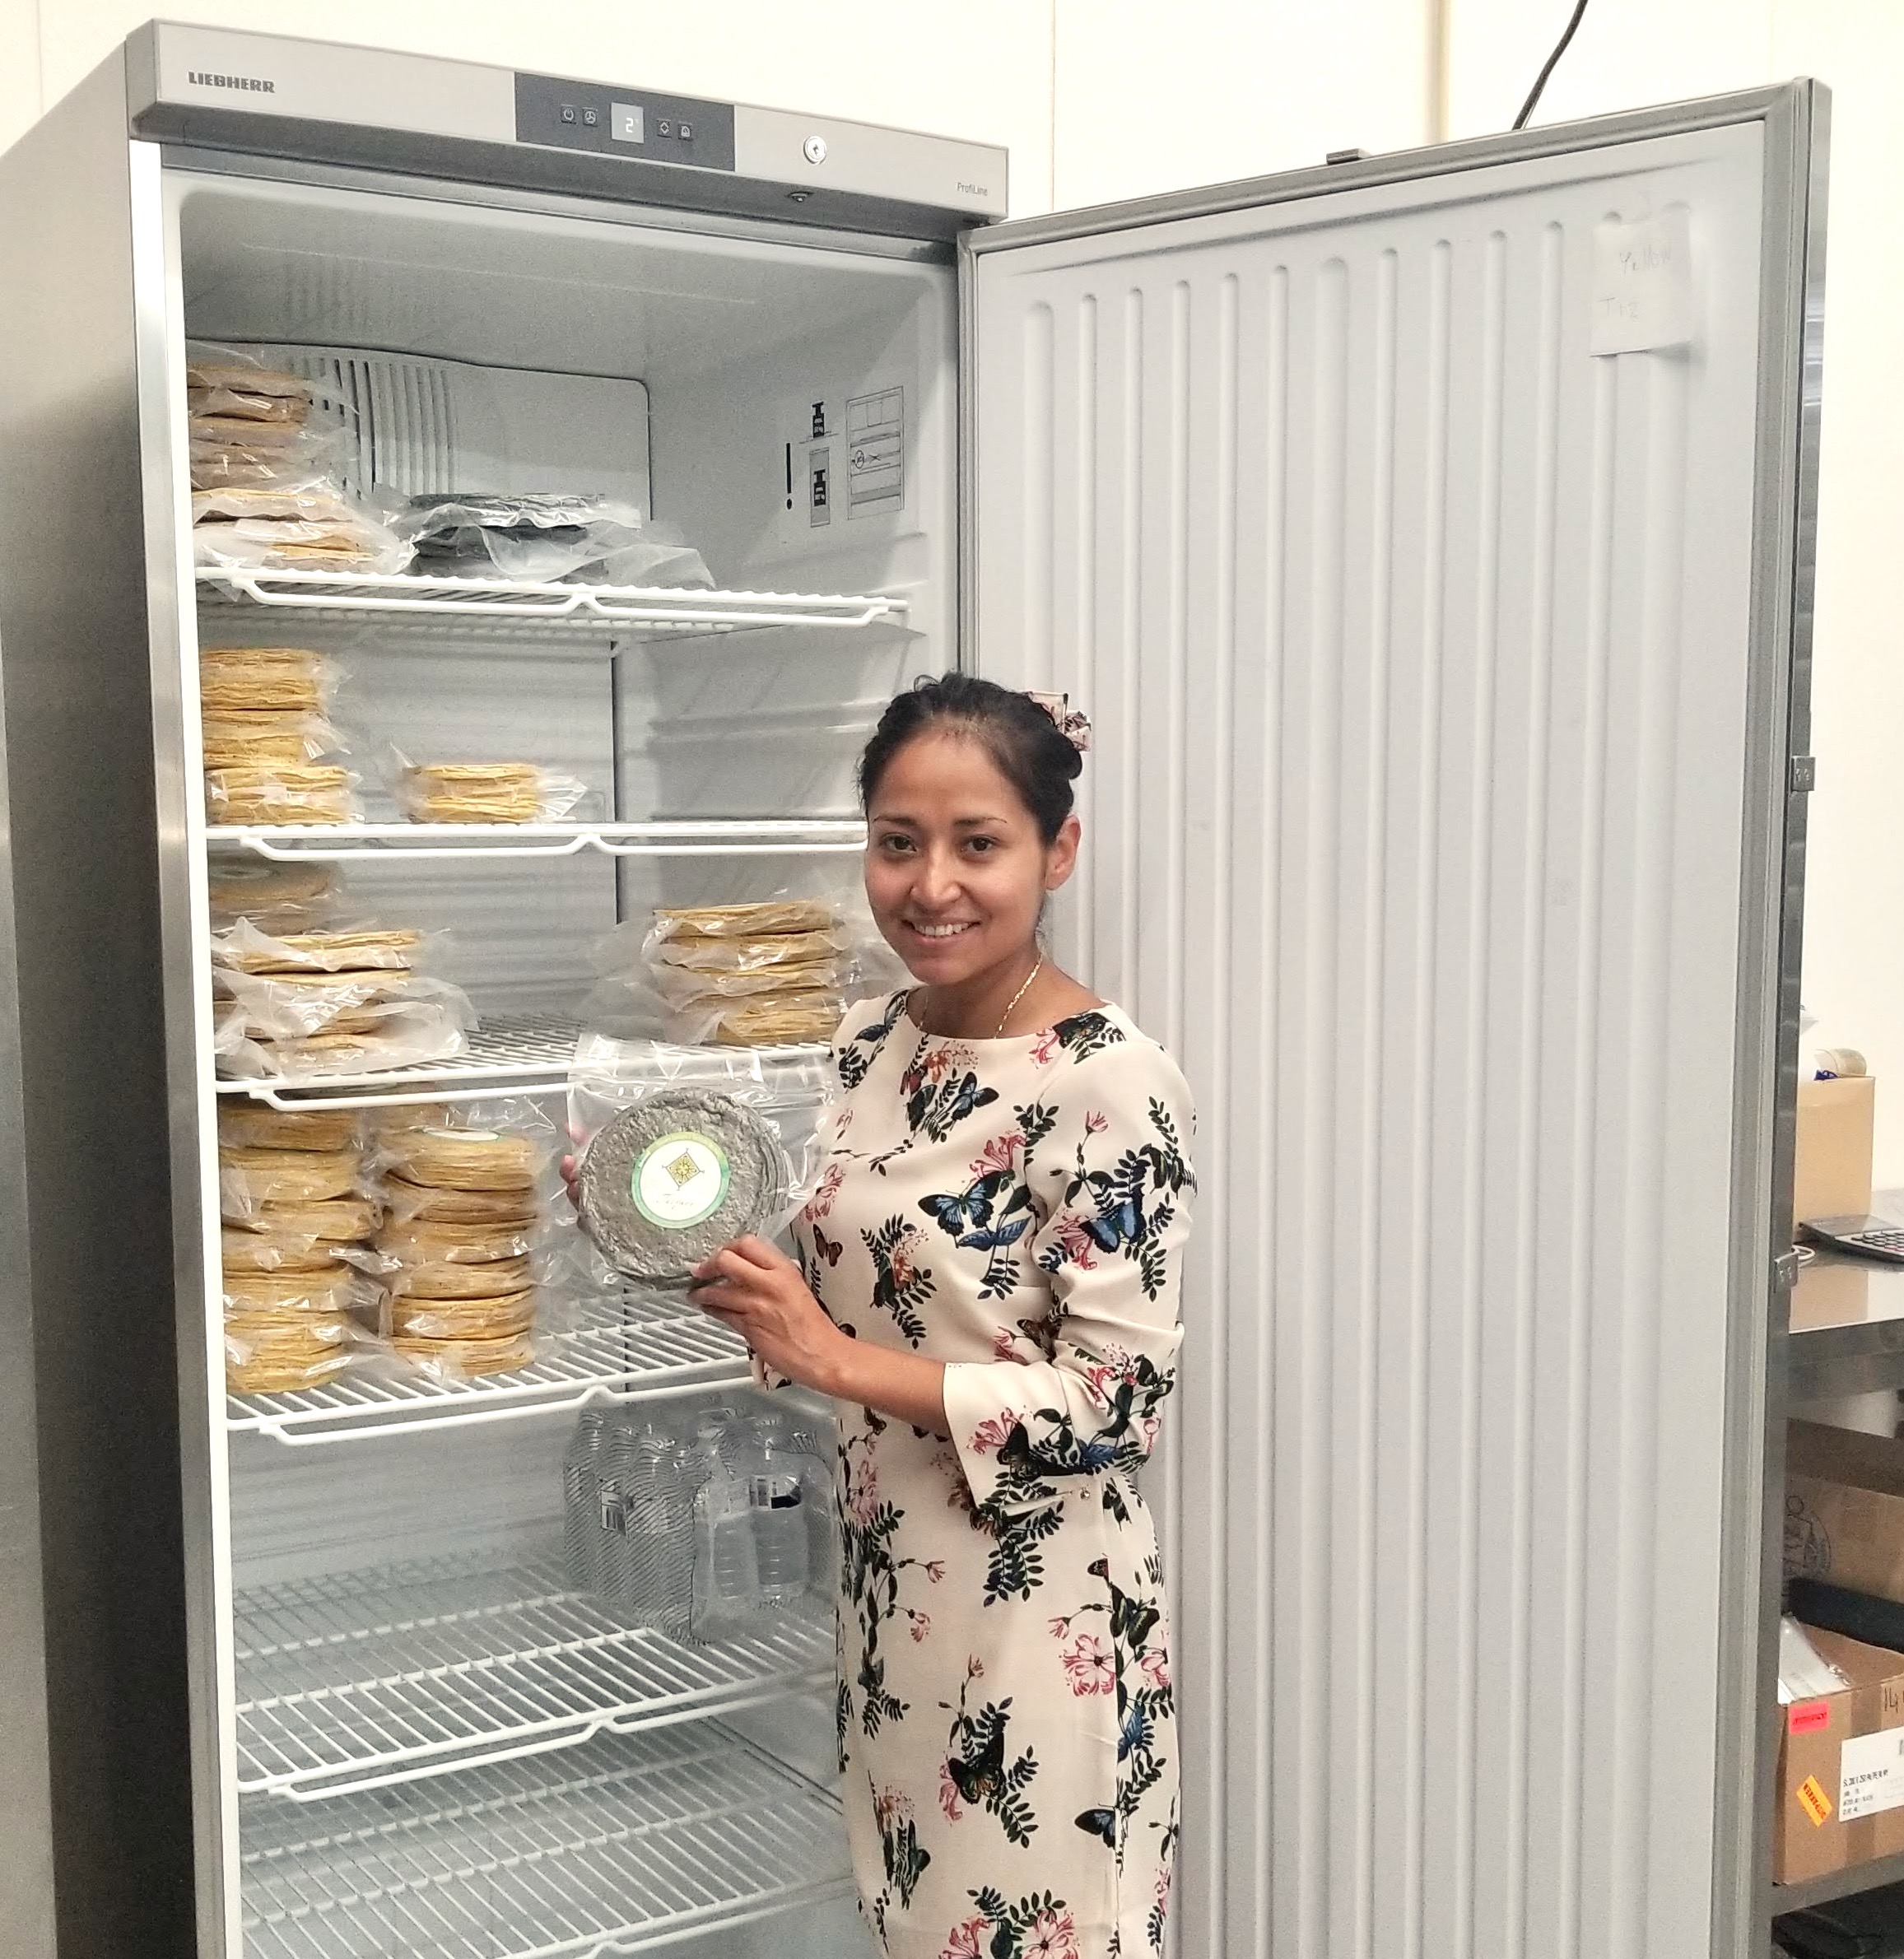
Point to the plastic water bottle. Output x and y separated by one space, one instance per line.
614 1464
777 1510
580 1501
726 1575
652 1525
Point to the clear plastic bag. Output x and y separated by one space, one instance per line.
683 988
737 955
231 452
769 918
659 556
243 948
786 1020
294 1006
267 739
283 793
250 680
317 501
680 1150
235 386
256 1125
414 1034
252 1181
352 543
535 535
466 792
277 899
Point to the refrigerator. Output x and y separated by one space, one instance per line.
1429 537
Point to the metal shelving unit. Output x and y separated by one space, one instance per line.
384 1678
626 611
621 1845
620 1349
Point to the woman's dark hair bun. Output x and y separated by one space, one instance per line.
1020 736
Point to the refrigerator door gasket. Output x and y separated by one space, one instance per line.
434 1669
622 1351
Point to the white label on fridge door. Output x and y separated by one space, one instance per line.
1642 284
876 452
1871 1775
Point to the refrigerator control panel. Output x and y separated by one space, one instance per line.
623 122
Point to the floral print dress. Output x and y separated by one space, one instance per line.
1016 1208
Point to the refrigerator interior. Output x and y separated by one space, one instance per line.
399 1601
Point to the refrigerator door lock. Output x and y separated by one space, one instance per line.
814 149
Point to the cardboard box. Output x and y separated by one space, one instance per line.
1841 1767
1843 1509
1832 1159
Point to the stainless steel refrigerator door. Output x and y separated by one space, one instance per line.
1429 539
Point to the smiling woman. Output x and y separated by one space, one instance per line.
987 1285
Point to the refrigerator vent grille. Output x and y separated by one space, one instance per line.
397 428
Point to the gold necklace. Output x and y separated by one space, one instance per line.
1019 995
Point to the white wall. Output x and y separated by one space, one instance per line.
1153 96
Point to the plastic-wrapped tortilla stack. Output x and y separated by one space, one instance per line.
485 792
276 899
667 1182
769 974
330 1001
265 734
290 1185
265 492
465 1209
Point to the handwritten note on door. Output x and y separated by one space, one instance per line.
1642 284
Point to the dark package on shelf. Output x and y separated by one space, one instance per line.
545 537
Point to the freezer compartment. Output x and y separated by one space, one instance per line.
785 410
627 1842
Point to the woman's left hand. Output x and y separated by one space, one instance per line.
760 1293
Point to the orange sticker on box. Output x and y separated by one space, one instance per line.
1814 1801
1807 1715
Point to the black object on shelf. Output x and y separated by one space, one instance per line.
1857 1615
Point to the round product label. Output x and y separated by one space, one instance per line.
679 1180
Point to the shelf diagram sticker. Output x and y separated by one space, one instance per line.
876 452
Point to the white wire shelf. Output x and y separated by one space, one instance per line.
383 1678
622 1349
520 1053
342 842
620 1845
517 1053
642 612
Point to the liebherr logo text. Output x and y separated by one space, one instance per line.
245 81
